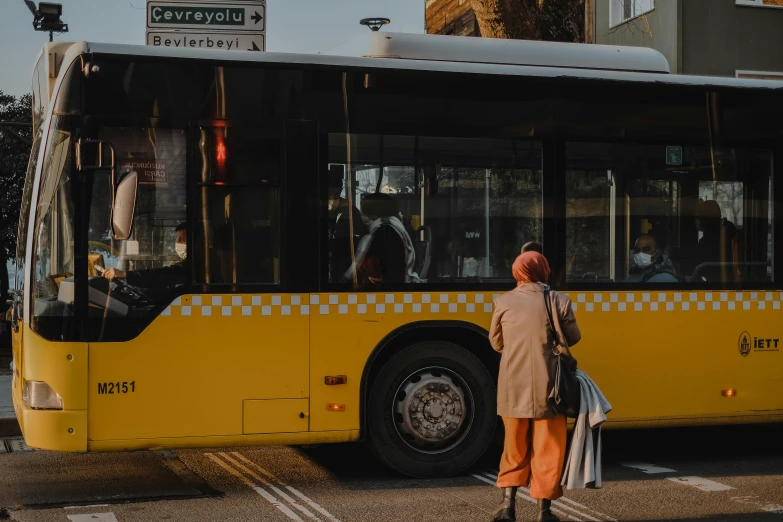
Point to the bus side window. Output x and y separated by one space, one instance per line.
632 218
239 197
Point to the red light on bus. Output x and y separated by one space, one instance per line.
221 152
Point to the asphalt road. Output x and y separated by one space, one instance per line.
718 474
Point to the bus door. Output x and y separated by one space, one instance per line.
199 337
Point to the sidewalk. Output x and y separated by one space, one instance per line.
8 425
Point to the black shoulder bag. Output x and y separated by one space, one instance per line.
566 394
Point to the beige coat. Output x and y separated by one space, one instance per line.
521 334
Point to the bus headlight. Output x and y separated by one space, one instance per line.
41 396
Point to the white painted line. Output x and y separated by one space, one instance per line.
292 489
650 469
564 500
87 507
280 493
272 500
312 504
530 499
701 484
94 517
557 503
586 509
269 498
760 504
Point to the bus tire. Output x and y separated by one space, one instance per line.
431 410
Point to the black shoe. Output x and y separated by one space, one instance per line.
545 511
506 510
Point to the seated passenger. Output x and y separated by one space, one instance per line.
340 228
158 278
385 254
649 264
715 245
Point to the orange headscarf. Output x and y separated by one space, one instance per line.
531 267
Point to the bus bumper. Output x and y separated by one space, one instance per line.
57 430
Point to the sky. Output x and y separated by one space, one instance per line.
298 26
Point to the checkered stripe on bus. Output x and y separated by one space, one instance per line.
674 301
247 305
325 304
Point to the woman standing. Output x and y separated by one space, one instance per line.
535 440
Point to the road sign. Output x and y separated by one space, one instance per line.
673 155
200 16
216 40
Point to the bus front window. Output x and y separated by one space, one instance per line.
53 237
145 272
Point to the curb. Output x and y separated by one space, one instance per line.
9 427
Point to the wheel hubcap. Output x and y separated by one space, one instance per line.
433 410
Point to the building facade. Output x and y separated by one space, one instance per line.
741 38
455 17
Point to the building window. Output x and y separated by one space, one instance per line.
761 75
761 3
620 11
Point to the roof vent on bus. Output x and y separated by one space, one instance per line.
444 48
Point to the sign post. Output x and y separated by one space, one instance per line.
199 24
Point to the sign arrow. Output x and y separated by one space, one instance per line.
255 47
256 17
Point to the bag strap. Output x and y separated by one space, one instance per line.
550 322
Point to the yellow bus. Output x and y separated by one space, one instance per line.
231 248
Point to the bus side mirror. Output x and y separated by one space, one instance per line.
124 206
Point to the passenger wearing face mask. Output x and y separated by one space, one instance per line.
649 264
158 278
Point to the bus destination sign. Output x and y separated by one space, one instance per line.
194 15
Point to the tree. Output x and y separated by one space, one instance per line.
551 20
15 142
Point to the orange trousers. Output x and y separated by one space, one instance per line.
533 455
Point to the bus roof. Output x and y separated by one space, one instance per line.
514 52
410 59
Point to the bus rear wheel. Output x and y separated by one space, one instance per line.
432 410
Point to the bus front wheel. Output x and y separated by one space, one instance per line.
431 410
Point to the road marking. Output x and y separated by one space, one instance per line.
584 510
557 503
261 491
94 517
529 499
280 493
588 509
292 489
701 484
87 507
650 469
760 504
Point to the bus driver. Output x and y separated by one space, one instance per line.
167 276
